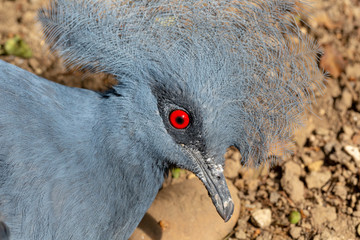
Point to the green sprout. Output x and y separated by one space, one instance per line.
17 47
294 217
175 172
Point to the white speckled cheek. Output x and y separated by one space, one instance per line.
219 169
216 169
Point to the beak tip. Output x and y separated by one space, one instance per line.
228 210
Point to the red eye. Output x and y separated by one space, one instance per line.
179 119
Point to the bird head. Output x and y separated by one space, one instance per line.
204 75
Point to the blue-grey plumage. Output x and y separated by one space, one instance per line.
75 164
4 231
104 180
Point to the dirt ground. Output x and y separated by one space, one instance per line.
320 182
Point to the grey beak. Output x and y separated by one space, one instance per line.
212 176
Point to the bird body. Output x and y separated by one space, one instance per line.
194 77
37 124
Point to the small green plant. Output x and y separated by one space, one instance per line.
175 172
294 217
17 47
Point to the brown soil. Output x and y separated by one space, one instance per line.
320 180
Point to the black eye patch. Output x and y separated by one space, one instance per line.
181 117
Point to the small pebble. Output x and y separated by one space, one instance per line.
356 214
295 232
317 179
274 197
240 184
242 223
322 131
329 147
306 159
354 153
321 214
352 70
346 98
291 182
261 218
358 230
231 168
292 168
356 138
340 191
241 235
163 224
317 237
252 184
348 130
315 166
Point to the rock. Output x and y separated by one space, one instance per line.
233 153
248 173
188 213
356 214
29 17
340 156
262 194
265 235
306 159
274 197
317 179
352 71
292 168
291 183
356 138
240 234
340 191
315 166
301 134
261 218
300 139
322 131
295 232
358 230
294 187
330 235
354 153
345 102
348 130
322 214
346 98
338 226
329 147
231 169
240 184
242 223
333 88
252 184
317 237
